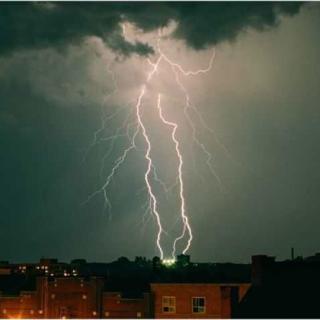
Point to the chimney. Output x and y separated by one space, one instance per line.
259 267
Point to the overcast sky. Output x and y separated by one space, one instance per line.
261 99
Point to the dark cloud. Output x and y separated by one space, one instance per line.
210 23
29 25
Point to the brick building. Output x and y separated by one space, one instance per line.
76 297
55 298
25 305
196 300
72 297
121 289
117 306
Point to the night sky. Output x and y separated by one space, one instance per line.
58 67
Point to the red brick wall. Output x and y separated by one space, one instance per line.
114 306
72 298
26 305
217 297
79 298
61 297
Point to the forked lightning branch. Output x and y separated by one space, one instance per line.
150 174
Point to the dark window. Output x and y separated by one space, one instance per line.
198 305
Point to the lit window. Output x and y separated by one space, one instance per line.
31 312
94 313
168 304
4 311
84 297
53 296
138 314
40 311
107 314
198 305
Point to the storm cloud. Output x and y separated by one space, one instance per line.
41 25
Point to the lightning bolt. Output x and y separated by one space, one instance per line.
105 118
150 174
149 168
122 158
178 68
181 185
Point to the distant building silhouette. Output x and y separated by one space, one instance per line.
287 289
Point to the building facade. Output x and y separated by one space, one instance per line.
196 300
76 297
73 297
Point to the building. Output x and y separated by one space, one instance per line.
196 300
18 297
115 305
284 289
121 289
76 297
146 289
71 297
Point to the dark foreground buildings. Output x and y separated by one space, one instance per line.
286 289
148 289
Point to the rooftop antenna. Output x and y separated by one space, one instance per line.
292 253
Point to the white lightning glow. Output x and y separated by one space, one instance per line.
147 173
184 217
150 174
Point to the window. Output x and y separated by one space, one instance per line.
168 304
198 305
